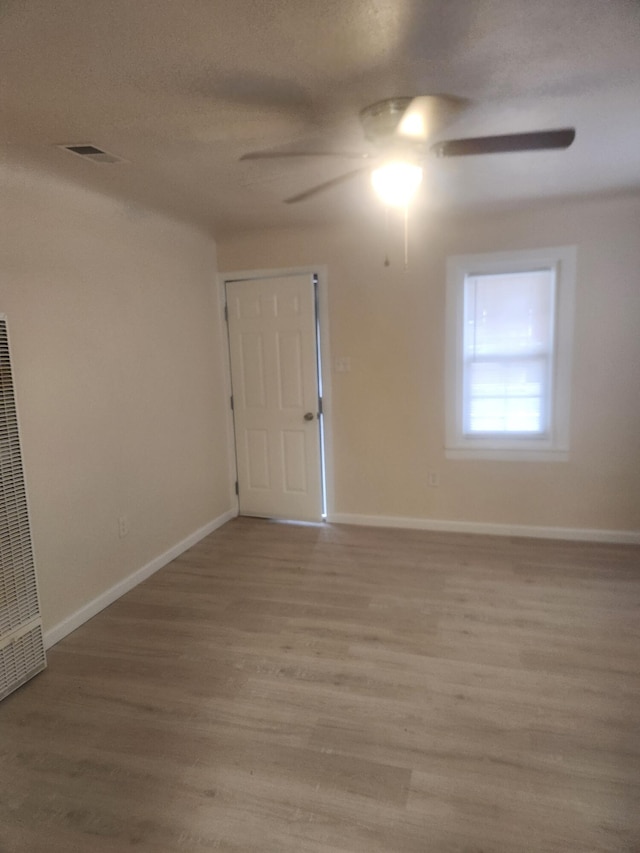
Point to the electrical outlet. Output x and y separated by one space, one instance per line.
123 526
433 479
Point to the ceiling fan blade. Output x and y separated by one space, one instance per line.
537 141
273 155
426 115
327 185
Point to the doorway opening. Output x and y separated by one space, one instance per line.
279 392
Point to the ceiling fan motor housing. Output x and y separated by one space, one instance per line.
380 120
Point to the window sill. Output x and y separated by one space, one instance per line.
506 455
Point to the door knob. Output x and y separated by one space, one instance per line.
308 416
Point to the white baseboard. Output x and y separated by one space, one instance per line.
576 534
110 595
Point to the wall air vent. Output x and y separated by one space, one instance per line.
90 152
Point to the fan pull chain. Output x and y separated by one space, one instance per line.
406 237
387 262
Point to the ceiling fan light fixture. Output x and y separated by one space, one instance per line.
413 126
397 182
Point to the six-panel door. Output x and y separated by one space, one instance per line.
274 373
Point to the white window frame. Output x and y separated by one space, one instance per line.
554 446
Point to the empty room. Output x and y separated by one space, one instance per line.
320 426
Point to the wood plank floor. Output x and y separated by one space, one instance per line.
327 689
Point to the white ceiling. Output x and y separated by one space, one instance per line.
181 88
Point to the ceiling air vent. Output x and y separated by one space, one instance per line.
90 152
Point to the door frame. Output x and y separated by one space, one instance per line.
324 361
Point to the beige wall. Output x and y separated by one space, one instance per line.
388 412
117 356
118 360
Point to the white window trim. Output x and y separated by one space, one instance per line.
555 446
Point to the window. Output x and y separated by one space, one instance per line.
509 329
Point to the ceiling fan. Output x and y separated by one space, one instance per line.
400 130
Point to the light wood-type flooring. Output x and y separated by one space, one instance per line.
329 689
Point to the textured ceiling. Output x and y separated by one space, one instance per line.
181 88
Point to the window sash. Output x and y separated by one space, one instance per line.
499 409
506 397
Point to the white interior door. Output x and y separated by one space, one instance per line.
274 375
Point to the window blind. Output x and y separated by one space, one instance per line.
508 353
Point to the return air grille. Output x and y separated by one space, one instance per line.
19 608
21 658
